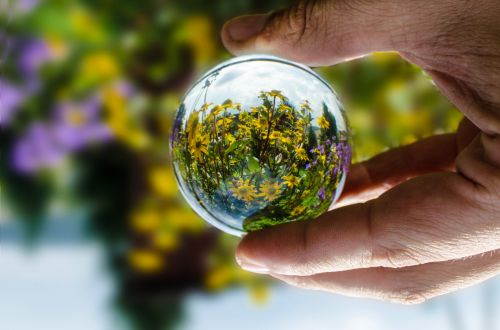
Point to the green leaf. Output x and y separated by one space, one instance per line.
253 164
233 146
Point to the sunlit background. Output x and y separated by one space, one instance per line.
93 231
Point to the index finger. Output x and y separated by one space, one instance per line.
371 178
427 219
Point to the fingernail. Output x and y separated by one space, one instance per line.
255 268
252 267
244 27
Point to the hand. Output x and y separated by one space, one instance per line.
436 226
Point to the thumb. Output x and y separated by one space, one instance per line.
324 32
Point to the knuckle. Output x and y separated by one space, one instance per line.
409 296
386 249
412 289
393 257
303 19
477 164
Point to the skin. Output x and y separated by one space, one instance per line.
417 221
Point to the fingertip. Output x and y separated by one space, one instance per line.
228 43
242 28
250 244
267 34
239 33
246 259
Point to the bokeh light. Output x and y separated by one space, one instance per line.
88 94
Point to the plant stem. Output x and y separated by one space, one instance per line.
270 115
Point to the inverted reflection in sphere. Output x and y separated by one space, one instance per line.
260 141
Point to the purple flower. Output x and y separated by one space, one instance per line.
321 149
78 124
335 171
75 125
33 54
24 6
11 98
321 193
308 166
345 153
36 149
125 88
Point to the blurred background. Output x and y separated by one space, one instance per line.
93 231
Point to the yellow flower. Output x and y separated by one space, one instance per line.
118 119
197 31
260 123
275 135
243 130
284 107
306 106
269 190
244 190
291 180
219 277
301 153
145 260
229 138
276 93
323 123
199 146
57 47
243 117
297 210
217 110
205 106
285 139
223 121
162 182
183 219
86 25
98 67
145 221
137 139
75 117
165 240
192 123
259 294
230 104
337 181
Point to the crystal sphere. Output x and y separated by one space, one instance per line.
259 141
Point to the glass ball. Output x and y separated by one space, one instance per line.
260 141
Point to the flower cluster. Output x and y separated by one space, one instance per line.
268 164
74 126
61 98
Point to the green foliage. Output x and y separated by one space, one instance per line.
251 163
